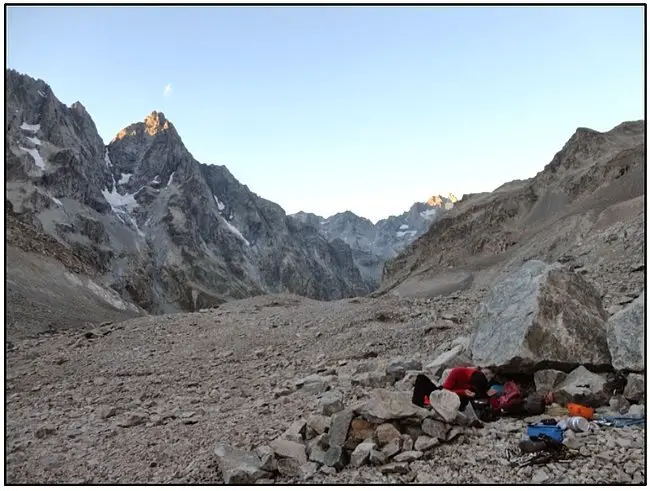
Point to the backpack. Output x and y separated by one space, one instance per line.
512 400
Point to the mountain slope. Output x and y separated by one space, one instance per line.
155 228
585 208
372 244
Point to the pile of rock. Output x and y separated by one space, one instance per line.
386 431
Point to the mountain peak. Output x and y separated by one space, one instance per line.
156 122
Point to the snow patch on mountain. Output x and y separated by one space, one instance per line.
236 231
220 205
38 160
30 127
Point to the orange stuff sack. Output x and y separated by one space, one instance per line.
578 410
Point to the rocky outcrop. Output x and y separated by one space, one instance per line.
626 336
540 317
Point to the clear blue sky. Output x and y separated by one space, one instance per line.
362 108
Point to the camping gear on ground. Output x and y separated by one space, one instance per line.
551 433
580 410
531 446
577 424
484 411
512 401
619 421
549 421
557 411
535 404
498 389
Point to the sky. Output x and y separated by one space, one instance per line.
328 109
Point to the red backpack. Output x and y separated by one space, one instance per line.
512 399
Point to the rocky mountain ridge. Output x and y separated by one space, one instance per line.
159 231
373 244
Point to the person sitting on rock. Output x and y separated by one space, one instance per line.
468 383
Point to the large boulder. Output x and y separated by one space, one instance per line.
445 404
541 316
547 380
457 356
626 336
635 387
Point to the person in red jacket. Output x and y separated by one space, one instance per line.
468 383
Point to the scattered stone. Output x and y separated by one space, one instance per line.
296 432
386 433
424 443
330 402
370 379
636 411
386 405
398 367
539 476
359 431
635 387
377 457
547 380
133 419
44 431
289 450
392 448
267 458
264 482
435 429
361 454
238 466
106 412
339 427
408 456
330 471
335 457
626 336
558 331
407 443
445 404
619 404
457 356
395 468
582 387
320 424
308 470
313 384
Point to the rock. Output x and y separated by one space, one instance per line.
392 448
264 482
444 376
267 458
296 432
395 468
582 387
457 356
314 384
320 424
409 456
445 404
635 387
361 454
397 368
435 429
371 379
133 419
539 476
360 430
106 412
619 404
636 411
308 470
238 466
547 380
317 448
44 431
330 471
624 442
538 317
626 336
339 428
330 402
289 450
289 467
386 433
407 443
414 431
335 457
386 405
424 443
407 383
377 457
